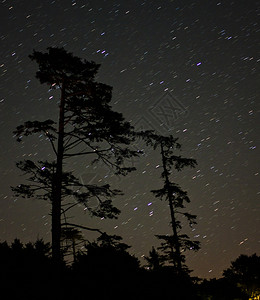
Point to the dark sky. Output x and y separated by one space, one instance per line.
186 68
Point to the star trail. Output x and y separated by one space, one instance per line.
186 68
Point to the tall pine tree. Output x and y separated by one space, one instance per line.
86 125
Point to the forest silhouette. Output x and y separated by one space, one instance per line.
104 269
87 126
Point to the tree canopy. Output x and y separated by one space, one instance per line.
245 272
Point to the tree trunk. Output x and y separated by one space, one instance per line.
175 236
173 219
57 187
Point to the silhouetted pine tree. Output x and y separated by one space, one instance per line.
154 260
71 238
86 125
173 245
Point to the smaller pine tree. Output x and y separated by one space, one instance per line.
173 246
154 260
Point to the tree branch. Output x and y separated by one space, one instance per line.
51 141
82 227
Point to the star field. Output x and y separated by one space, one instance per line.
186 68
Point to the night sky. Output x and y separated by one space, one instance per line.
186 68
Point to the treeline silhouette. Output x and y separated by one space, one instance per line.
104 269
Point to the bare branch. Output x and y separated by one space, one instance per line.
68 208
51 141
82 227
